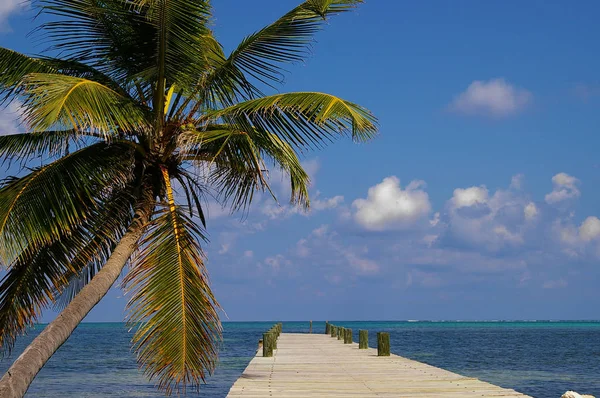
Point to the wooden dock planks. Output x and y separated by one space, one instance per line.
315 365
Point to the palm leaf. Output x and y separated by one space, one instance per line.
26 145
14 67
108 35
104 231
65 102
261 54
40 207
57 271
238 162
172 303
304 119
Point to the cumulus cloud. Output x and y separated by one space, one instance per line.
495 98
530 211
327 203
590 229
476 218
10 116
469 196
565 187
389 206
8 8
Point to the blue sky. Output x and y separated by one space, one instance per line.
479 199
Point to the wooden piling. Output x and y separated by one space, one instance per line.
363 339
383 344
327 326
340 334
268 344
310 328
332 330
347 336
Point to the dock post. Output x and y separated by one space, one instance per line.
310 328
327 326
332 330
347 336
274 339
383 344
267 344
363 339
340 335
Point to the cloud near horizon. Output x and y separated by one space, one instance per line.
493 98
478 235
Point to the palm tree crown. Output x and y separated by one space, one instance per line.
141 103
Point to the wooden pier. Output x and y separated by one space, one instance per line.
317 365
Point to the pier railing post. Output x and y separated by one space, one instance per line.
268 344
332 330
310 328
327 326
347 336
363 339
383 344
340 335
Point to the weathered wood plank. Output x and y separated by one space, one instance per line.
315 365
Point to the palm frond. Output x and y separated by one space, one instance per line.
15 67
237 162
304 119
27 145
54 273
65 102
111 36
288 39
104 230
28 288
52 200
172 303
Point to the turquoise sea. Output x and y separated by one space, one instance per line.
539 358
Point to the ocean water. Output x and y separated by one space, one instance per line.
541 359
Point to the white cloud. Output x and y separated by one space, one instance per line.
469 196
248 254
565 187
8 8
327 203
489 222
10 116
530 211
495 98
590 229
389 206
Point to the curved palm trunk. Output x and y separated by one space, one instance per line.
16 381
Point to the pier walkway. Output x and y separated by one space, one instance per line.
316 365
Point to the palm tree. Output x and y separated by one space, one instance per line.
142 103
